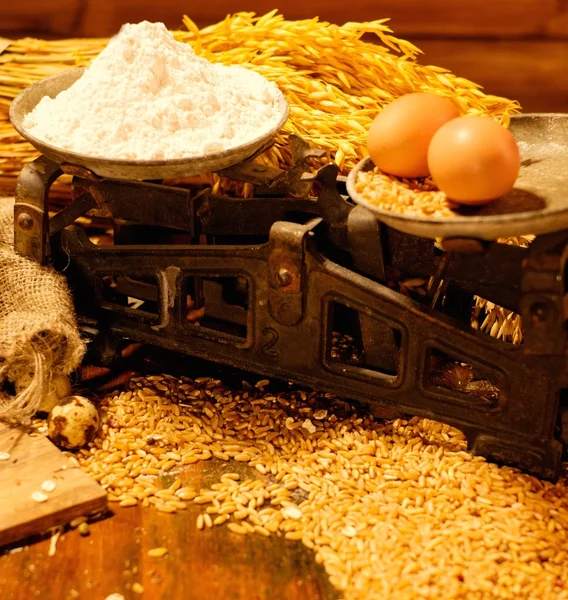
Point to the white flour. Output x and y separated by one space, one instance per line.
148 97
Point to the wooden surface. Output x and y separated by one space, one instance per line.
533 72
35 459
213 564
505 18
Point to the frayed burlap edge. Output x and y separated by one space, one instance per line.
39 337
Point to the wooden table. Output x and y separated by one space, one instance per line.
212 564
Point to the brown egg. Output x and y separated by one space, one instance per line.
400 134
474 160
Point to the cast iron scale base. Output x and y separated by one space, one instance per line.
267 284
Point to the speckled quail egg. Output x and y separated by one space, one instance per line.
58 388
73 423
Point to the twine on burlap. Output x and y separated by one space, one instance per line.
39 337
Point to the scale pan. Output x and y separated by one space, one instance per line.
127 169
537 204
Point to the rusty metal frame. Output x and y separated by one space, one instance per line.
299 273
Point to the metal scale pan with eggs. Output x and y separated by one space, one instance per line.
294 282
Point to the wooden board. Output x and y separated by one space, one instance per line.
34 459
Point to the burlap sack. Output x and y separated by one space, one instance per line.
39 337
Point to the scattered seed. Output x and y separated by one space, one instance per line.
262 530
5 456
200 523
292 512
83 529
203 499
77 521
48 485
157 552
128 502
186 493
220 519
237 528
137 588
39 497
309 426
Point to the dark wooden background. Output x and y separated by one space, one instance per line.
517 48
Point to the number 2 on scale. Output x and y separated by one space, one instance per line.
273 338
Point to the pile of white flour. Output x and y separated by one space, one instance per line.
148 97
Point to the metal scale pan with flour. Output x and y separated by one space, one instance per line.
293 282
